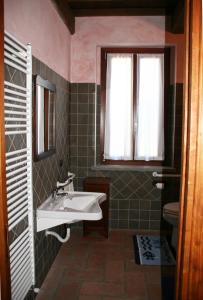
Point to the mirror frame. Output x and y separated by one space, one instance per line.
39 81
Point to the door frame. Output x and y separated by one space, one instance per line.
5 289
189 280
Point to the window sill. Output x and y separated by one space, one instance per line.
132 168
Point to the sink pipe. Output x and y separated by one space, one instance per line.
56 235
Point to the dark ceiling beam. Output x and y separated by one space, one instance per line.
172 9
66 14
82 8
177 18
121 3
119 12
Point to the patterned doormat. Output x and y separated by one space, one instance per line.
152 250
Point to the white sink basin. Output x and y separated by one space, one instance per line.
74 207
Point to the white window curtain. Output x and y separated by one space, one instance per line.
119 107
149 141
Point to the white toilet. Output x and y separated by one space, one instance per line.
171 215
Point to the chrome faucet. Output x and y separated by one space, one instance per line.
60 186
66 183
56 192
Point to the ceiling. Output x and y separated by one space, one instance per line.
69 9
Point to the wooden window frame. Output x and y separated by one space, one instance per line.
134 51
48 87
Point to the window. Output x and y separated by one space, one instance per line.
134 83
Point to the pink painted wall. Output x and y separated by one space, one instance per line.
94 32
37 22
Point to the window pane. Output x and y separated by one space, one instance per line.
40 119
119 107
150 107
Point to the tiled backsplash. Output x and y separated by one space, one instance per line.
47 171
82 141
134 202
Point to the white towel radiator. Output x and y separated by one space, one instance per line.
18 122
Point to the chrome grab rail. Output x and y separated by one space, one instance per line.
156 174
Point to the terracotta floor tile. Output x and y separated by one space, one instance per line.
96 261
63 259
85 275
51 283
115 254
92 275
135 284
129 253
70 265
81 248
125 298
128 242
117 237
154 292
153 276
131 266
67 291
102 289
96 268
114 271
71 274
94 238
84 297
137 290
80 251
113 298
44 295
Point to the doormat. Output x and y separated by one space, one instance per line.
152 250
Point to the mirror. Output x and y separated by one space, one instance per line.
44 118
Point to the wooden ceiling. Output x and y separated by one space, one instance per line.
69 9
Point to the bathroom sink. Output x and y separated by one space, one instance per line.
70 208
75 201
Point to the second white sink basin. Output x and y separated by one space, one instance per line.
74 207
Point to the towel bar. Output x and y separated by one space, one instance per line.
156 174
